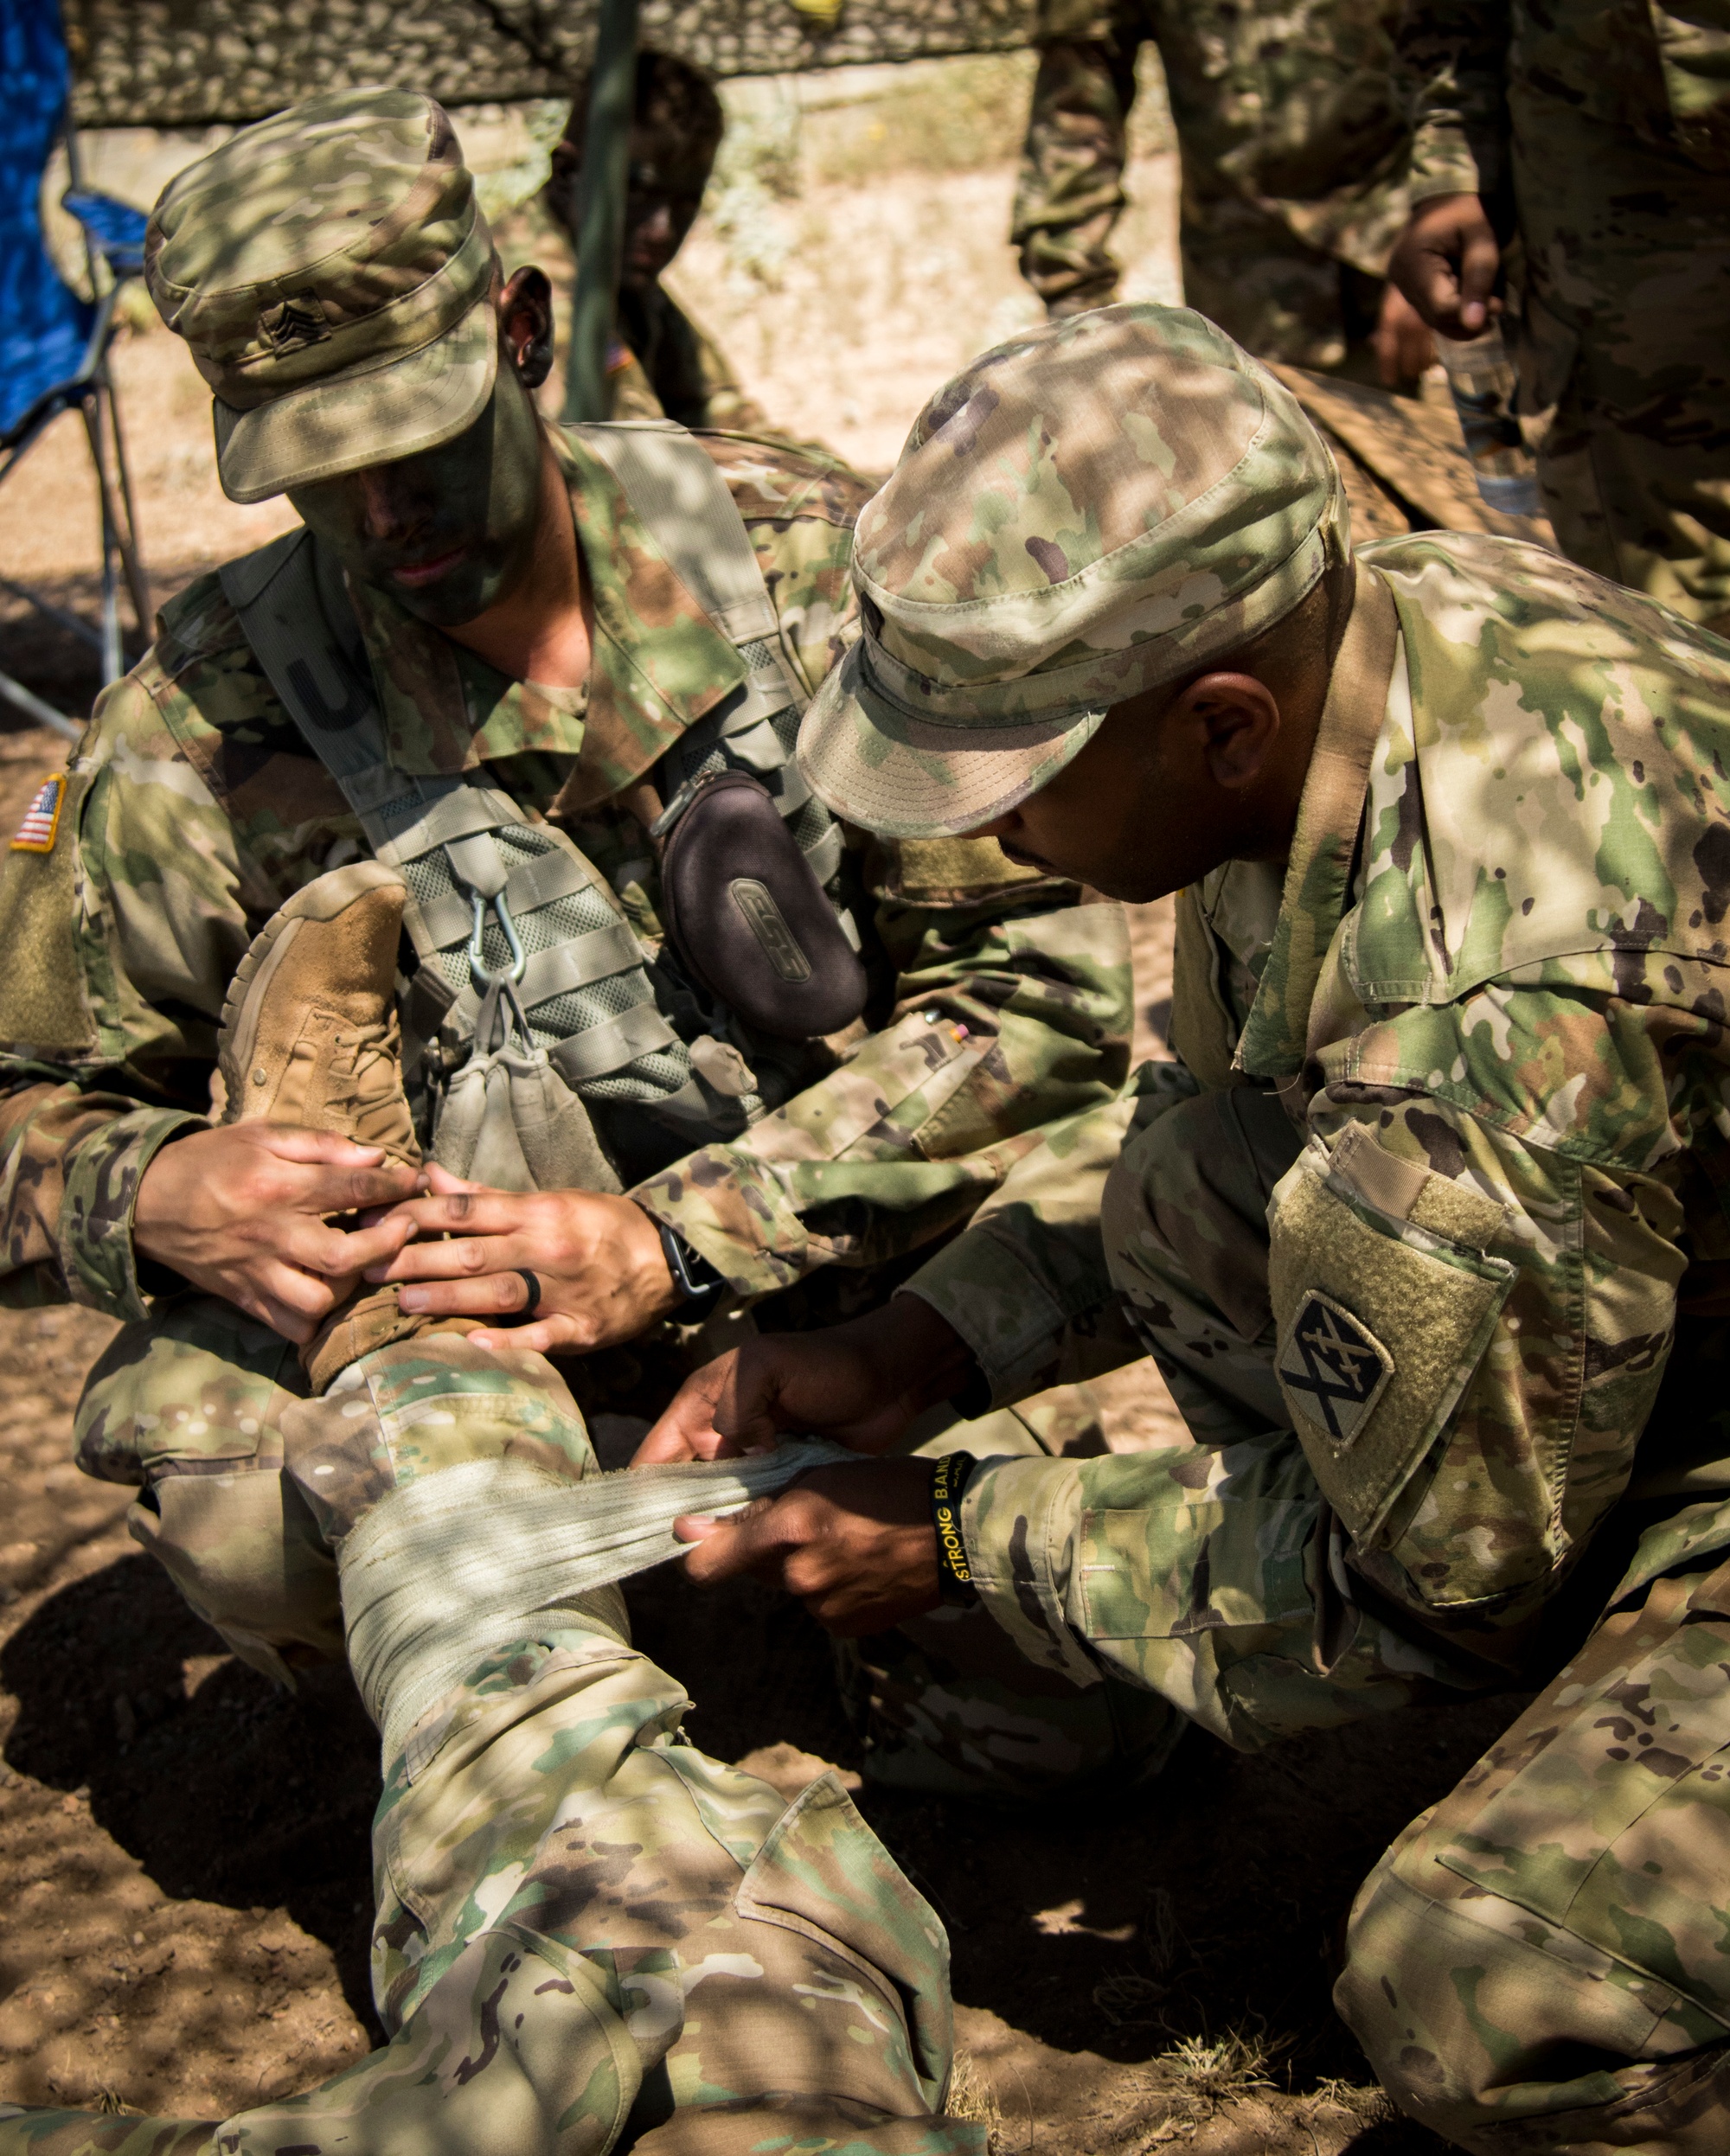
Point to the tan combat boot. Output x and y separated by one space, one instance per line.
310 1036
310 1028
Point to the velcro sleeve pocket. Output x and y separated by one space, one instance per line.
1384 1295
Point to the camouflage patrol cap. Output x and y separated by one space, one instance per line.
1093 509
330 268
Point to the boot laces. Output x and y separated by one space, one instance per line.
365 1077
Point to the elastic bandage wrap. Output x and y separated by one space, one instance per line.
458 1563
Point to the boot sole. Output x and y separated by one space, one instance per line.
320 900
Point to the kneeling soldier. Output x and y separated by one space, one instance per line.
1425 1229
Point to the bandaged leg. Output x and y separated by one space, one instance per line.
588 1935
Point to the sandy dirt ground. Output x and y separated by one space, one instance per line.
184 1887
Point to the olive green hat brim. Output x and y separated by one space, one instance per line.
368 416
872 765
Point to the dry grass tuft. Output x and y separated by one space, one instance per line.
971 2097
112 2104
1200 2074
1373 2106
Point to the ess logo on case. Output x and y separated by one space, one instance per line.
768 925
35 834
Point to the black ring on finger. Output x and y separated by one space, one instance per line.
533 1285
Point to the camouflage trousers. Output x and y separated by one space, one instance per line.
1539 1963
589 1936
1623 353
1243 265
1279 298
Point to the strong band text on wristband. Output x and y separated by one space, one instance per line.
949 1475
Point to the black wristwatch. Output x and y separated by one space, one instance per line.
696 1280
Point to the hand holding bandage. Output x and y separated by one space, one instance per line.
856 1544
861 1383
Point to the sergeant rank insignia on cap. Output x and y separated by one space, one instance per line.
1333 1371
35 834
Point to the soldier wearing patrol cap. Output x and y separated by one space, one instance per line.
663 364
459 828
550 678
1425 1229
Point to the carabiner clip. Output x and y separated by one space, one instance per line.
483 976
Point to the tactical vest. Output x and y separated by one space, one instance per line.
555 1050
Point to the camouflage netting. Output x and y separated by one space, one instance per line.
187 63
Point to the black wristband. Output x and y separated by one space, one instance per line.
949 1475
696 1280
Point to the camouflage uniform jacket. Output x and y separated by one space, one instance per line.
1288 104
1493 999
193 810
1662 74
666 365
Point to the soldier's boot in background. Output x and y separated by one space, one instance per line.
310 1035
588 1932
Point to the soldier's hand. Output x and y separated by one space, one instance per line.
243 1212
596 1259
862 1383
855 1545
1445 263
1404 347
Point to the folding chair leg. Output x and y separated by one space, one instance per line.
138 581
113 655
32 706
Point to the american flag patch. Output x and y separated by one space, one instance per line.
35 834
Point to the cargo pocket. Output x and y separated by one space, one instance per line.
823 1874
1605 1814
1384 1297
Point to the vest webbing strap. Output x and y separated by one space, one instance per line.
672 484
296 614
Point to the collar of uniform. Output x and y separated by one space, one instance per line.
660 663
444 708
1318 873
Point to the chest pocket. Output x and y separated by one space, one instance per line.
1385 1296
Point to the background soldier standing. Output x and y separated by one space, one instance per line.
663 365
1293 153
1600 136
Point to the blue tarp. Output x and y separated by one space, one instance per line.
43 325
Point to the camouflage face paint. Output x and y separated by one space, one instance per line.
447 532
665 193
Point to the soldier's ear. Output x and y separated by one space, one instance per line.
525 321
1238 721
